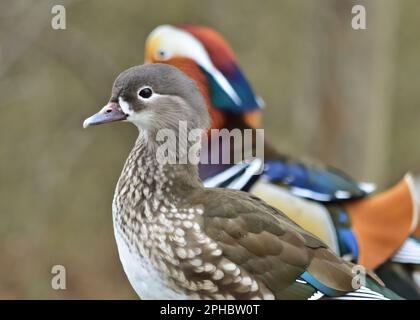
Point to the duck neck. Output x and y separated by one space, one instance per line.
145 178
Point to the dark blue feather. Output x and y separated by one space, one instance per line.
313 182
220 99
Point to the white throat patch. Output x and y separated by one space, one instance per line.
142 119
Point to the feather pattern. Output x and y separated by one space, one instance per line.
180 240
319 183
225 61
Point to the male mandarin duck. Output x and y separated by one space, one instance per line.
180 240
371 229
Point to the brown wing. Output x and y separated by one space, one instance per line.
268 246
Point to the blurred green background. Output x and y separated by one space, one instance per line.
350 98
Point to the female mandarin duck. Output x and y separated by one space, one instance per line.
370 229
179 240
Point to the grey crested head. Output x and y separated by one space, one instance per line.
154 97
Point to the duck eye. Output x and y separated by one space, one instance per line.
145 93
162 54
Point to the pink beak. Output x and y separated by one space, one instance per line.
110 113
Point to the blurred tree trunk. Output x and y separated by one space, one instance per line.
345 87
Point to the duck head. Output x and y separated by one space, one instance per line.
228 89
154 97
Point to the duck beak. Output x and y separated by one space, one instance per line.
110 113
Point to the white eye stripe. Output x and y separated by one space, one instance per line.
175 41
